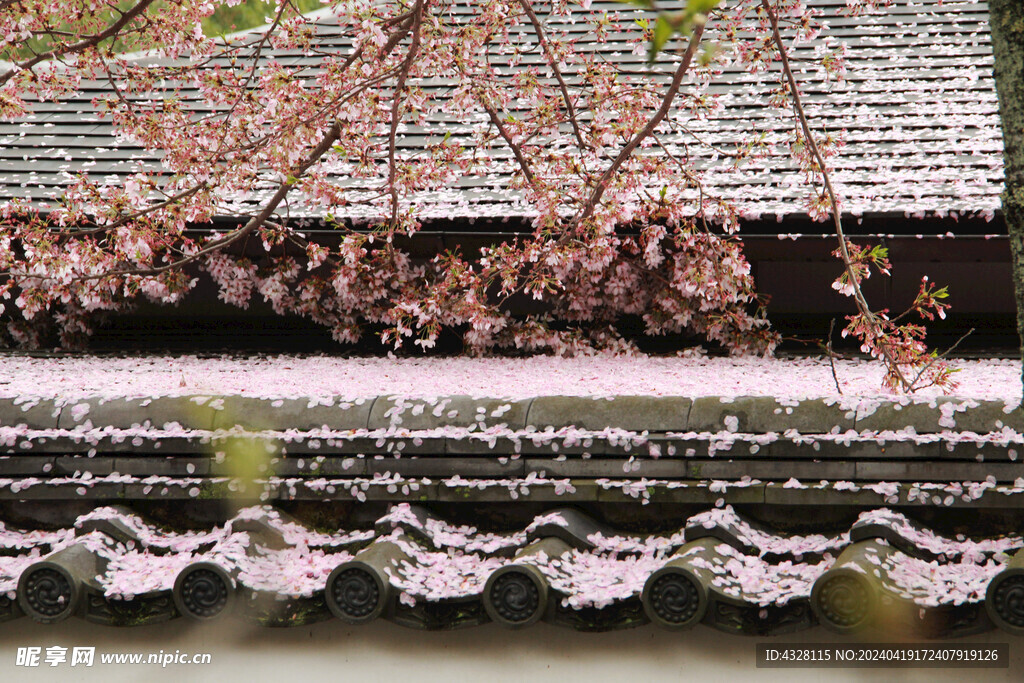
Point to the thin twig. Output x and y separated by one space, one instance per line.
396 104
652 124
812 145
831 356
553 63
517 150
940 357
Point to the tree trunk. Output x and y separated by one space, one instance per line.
1007 21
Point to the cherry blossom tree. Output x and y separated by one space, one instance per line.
622 221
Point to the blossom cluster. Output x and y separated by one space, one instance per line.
622 223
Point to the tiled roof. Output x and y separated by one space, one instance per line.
918 105
419 570
705 450
896 500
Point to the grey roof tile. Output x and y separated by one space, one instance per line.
918 105
419 569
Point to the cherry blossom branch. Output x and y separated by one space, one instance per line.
553 63
254 223
321 111
689 174
676 126
876 331
257 51
234 133
666 105
124 220
938 357
517 149
126 18
396 103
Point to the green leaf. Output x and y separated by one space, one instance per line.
663 30
670 23
709 54
700 6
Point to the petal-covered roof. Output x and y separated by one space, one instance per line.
127 429
420 570
918 108
750 514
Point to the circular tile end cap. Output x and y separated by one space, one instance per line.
48 592
203 591
843 600
1004 600
674 598
516 596
356 592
